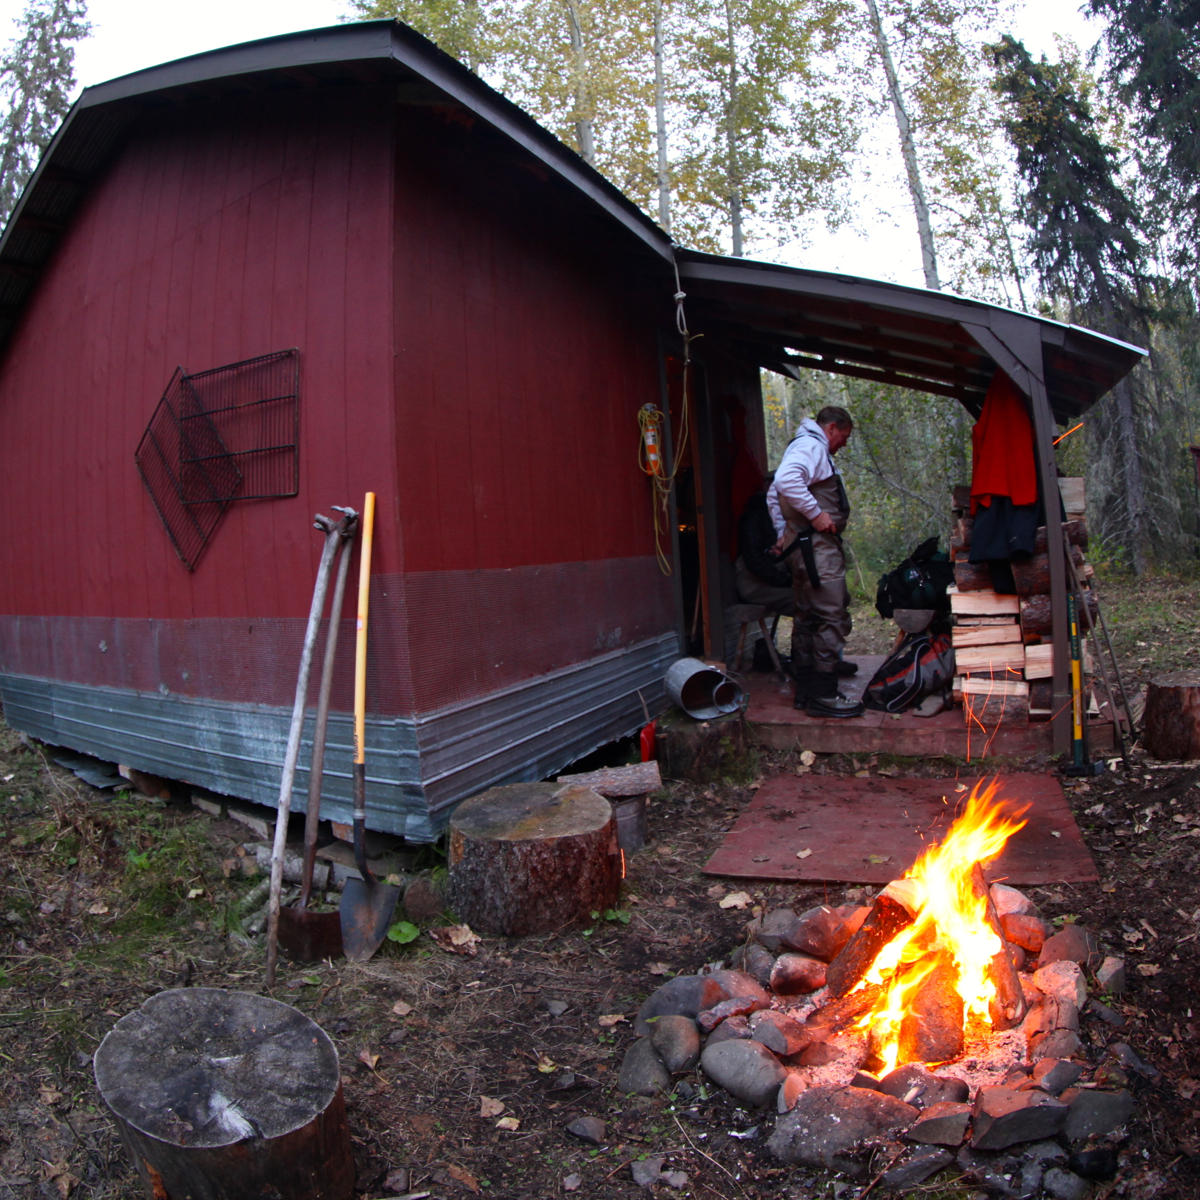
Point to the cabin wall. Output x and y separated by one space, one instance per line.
216 236
525 345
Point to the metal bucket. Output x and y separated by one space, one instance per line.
702 691
630 812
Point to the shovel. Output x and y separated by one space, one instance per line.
305 935
292 754
367 905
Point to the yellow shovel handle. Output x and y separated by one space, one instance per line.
360 647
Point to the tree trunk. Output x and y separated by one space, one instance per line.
1171 720
908 150
733 169
532 858
660 123
220 1095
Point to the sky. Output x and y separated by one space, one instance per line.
129 35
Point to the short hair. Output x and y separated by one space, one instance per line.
832 415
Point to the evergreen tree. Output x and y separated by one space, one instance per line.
1090 255
1154 51
37 77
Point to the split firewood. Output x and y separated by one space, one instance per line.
893 910
1008 1007
1036 619
932 1027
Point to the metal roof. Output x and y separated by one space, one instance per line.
785 318
788 319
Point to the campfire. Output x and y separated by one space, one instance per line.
931 957
947 1014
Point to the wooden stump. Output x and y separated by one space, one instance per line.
1171 720
220 1095
532 858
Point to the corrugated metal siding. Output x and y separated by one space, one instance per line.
416 772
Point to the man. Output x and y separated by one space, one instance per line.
809 508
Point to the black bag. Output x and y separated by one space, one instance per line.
923 663
920 581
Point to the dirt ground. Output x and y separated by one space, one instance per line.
462 1072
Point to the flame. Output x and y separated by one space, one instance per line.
949 922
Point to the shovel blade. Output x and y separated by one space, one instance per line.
366 912
307 936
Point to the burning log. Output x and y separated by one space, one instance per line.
892 911
1008 1006
932 1027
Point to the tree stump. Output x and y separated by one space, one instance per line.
532 857
220 1095
1171 720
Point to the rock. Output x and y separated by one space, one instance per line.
1062 979
1129 1060
925 1163
735 1006
1003 1117
1059 1043
789 1091
1097 1163
1110 975
1072 943
774 927
795 974
781 1034
642 1071
590 1129
733 1027
942 1124
822 931
827 1126
646 1171
424 902
1054 1074
915 1084
690 995
754 960
1061 1184
1093 1113
1024 930
676 1041
1008 900
745 1069
819 1054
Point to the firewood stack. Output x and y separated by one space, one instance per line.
1002 649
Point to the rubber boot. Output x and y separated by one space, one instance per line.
805 678
826 702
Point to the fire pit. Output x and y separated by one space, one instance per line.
942 1021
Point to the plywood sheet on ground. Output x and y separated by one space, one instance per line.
815 828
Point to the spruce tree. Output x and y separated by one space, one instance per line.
37 78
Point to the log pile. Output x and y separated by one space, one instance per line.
1002 641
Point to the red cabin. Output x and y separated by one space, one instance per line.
352 266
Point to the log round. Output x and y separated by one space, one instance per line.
532 857
219 1095
1171 720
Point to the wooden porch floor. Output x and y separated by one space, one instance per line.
774 723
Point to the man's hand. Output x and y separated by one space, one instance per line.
824 523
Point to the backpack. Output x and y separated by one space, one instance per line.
921 664
920 581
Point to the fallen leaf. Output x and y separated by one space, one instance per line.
401 1008
457 939
736 900
803 853
877 859
98 909
546 1065
1148 968
370 1060
512 1124
658 968
489 1106
608 1020
808 757
571 1183
463 1176
195 893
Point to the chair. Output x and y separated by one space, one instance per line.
745 615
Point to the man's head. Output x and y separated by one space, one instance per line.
837 424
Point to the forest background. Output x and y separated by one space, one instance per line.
1066 186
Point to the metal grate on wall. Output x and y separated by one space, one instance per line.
229 433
